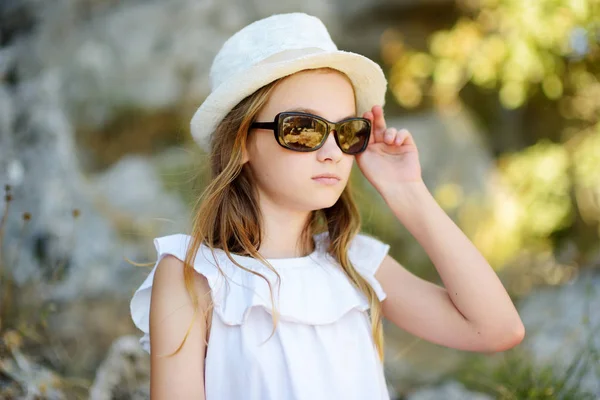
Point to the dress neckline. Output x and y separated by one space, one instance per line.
287 262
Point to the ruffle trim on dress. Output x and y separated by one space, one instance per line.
314 289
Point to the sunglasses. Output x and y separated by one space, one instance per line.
301 131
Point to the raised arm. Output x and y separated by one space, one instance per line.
171 311
472 311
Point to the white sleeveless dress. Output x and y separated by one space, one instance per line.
323 347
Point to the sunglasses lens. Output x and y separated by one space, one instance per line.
302 133
354 135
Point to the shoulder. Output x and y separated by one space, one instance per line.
367 253
169 269
169 294
170 298
365 250
164 288
169 282
175 245
365 247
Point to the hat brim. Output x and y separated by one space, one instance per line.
367 78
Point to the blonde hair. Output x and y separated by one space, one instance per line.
227 214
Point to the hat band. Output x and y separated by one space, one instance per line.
291 54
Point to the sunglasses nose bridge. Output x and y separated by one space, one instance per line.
332 128
332 131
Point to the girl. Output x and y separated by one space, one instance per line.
276 294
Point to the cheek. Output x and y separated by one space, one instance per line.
345 166
286 173
348 162
278 172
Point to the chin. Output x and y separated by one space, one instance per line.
320 202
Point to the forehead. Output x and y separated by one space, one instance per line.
326 93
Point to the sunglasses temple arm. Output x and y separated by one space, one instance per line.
263 125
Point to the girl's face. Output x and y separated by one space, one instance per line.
285 176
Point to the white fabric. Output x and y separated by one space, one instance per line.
274 47
323 347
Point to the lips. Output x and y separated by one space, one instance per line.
332 176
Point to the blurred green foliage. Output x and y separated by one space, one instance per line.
544 195
507 45
517 378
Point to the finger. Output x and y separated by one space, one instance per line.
404 138
389 135
379 121
379 127
400 137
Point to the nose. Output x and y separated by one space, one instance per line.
330 150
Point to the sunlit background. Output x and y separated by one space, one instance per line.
96 160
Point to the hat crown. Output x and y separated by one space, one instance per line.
265 38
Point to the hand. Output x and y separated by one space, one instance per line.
391 156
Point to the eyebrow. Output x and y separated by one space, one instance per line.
311 111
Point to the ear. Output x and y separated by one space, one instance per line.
245 156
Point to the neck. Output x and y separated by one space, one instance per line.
282 231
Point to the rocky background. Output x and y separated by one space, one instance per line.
96 160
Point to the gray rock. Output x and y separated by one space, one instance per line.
35 381
124 374
133 188
562 321
41 166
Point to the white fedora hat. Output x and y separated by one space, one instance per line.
274 47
